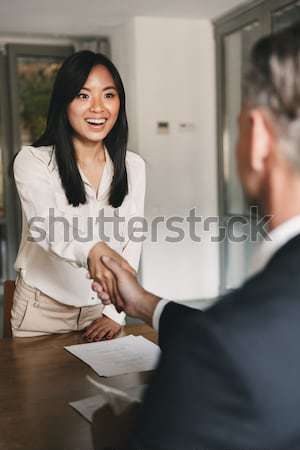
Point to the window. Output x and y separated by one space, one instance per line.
235 34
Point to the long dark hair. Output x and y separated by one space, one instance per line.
68 82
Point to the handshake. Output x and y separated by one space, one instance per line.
114 281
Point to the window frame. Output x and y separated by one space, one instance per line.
238 18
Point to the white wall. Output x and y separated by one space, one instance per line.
123 48
168 70
169 73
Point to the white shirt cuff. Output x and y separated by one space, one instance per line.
111 312
157 313
82 251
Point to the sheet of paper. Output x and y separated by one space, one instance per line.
88 406
118 356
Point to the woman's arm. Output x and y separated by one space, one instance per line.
38 198
132 249
50 224
106 326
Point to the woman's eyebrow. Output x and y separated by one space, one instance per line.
110 87
105 89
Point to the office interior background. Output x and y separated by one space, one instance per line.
182 65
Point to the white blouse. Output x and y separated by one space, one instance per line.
57 237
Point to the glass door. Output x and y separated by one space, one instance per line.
3 178
236 32
234 42
32 71
28 74
237 215
284 15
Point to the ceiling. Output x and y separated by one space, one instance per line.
89 17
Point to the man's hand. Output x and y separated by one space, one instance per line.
130 297
102 328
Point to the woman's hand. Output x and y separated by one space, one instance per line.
101 274
132 297
102 328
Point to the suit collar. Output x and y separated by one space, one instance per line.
278 238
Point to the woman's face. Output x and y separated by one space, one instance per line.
94 111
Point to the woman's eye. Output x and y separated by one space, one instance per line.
83 96
110 95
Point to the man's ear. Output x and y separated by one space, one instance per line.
262 141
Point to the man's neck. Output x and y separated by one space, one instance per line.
283 199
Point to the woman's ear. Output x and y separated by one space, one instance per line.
263 139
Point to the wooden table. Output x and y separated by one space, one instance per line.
38 378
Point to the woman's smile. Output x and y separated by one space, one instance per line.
94 111
96 124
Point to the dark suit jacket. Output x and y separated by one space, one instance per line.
229 377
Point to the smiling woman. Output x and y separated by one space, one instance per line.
78 168
94 111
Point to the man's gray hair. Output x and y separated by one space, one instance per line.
273 82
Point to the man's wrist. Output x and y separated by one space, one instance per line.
146 307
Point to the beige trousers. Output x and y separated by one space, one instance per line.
36 314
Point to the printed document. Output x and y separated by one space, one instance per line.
118 356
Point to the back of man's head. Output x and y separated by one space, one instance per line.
273 82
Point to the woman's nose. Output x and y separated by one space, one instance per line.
97 105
